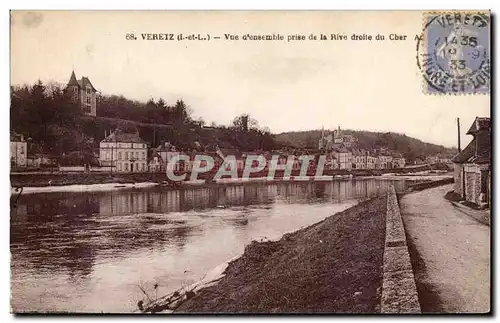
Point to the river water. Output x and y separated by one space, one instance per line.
90 252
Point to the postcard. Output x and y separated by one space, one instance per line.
206 162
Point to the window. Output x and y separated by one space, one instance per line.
126 155
119 166
89 91
137 166
89 100
86 108
107 156
136 155
143 166
126 166
143 155
120 155
22 150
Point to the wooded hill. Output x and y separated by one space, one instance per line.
411 148
47 116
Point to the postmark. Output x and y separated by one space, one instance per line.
453 52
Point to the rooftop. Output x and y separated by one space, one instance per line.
480 123
128 137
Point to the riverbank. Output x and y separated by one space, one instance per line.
332 266
42 179
45 183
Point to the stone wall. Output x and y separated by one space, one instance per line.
457 174
399 292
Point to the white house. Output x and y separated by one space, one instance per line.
18 150
124 152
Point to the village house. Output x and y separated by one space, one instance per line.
123 152
18 150
398 161
371 161
343 157
84 93
156 163
161 156
472 166
384 161
360 159
331 161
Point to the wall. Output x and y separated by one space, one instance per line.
457 175
72 168
472 187
399 291
476 183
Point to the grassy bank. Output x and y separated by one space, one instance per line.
332 266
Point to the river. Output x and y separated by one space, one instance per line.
90 252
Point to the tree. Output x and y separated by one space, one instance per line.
245 123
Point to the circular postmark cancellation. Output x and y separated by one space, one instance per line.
453 53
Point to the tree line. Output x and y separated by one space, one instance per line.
53 123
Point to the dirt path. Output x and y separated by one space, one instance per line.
450 253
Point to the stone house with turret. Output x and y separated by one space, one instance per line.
84 93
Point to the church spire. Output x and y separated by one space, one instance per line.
72 79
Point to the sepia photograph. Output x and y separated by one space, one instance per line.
250 162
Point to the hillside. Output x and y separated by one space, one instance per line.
411 148
48 117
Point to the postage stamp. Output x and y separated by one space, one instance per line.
453 52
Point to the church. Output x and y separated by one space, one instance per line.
84 92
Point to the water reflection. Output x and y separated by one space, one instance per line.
65 242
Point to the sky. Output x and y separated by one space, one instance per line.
286 86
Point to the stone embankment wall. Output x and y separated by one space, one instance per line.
399 292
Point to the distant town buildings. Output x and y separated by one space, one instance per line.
124 152
346 154
472 166
436 159
18 150
336 138
398 161
84 93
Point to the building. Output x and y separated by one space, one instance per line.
124 152
398 161
84 93
371 161
343 158
18 150
335 138
472 166
161 156
359 159
384 161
